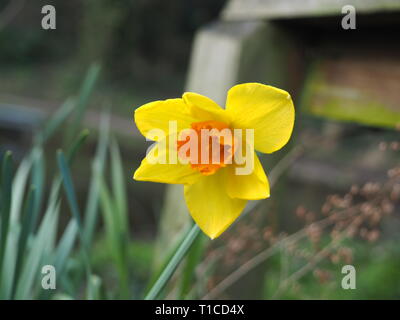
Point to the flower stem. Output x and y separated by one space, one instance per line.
169 270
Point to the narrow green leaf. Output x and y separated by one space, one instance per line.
10 257
110 223
19 184
193 259
37 249
55 121
121 214
173 263
94 286
38 181
156 272
60 257
68 238
115 237
6 193
73 204
27 227
65 246
69 187
62 296
82 101
92 202
119 187
77 145
17 201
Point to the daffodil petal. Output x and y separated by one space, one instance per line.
254 186
210 205
267 110
165 172
204 109
158 114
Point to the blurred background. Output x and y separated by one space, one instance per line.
67 98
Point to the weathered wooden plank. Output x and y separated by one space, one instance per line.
262 9
21 118
216 56
363 88
227 53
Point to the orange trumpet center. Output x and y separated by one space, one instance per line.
208 147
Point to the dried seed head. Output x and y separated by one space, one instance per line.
395 194
326 208
395 145
363 233
323 276
382 145
387 206
373 235
310 217
354 189
301 212
268 233
394 173
335 258
346 254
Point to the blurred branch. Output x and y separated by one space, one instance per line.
321 255
276 173
264 255
284 164
359 213
10 12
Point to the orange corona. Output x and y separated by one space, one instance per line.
215 147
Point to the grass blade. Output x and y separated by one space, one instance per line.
94 288
37 250
77 145
38 180
118 184
69 187
193 258
121 215
91 210
55 121
69 190
19 184
10 257
65 246
116 238
173 263
82 101
6 193
27 224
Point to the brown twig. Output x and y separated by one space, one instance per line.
321 255
264 255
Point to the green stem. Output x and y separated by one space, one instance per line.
173 263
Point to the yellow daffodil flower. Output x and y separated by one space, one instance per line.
215 191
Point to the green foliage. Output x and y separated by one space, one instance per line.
31 235
174 262
115 216
6 188
193 259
